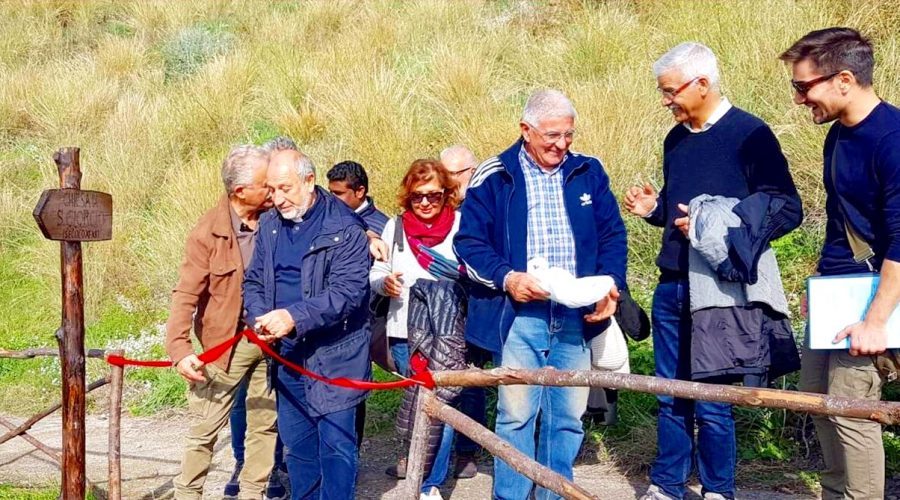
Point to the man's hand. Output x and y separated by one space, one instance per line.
393 284
640 200
683 223
189 368
605 308
274 325
377 247
524 287
865 339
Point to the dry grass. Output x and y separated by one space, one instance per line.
155 92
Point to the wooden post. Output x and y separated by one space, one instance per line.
71 216
117 375
884 412
415 464
501 449
71 342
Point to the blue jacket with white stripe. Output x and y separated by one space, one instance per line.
492 239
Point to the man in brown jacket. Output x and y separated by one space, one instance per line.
208 297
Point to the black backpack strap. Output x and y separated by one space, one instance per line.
398 233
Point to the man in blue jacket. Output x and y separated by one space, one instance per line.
308 289
832 76
538 199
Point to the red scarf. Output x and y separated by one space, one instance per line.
432 236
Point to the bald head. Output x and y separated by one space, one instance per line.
291 177
460 161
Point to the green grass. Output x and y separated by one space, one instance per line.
9 492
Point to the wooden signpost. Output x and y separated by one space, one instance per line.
70 215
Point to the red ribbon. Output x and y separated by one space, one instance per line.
418 364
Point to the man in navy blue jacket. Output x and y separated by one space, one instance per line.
538 199
308 289
715 149
832 76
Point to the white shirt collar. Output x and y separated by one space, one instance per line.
363 206
716 115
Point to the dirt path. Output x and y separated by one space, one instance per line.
151 455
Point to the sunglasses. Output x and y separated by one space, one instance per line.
433 197
803 87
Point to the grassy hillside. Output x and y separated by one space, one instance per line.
155 93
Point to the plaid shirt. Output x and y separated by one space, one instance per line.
549 231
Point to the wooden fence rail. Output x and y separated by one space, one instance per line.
115 380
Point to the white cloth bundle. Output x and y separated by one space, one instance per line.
565 288
609 350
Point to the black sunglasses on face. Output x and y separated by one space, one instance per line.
433 197
803 87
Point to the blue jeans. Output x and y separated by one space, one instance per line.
441 466
238 422
322 458
472 403
542 335
715 450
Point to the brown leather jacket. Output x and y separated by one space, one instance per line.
209 283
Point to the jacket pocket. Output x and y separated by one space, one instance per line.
349 358
220 276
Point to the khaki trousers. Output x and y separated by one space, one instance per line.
209 405
852 447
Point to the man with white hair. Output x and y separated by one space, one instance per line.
715 149
539 199
307 289
460 161
208 298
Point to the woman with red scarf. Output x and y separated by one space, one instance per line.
428 199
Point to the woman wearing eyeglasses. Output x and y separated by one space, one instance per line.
428 200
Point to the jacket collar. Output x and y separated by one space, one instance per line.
336 218
222 222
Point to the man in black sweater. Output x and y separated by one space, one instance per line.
832 76
714 149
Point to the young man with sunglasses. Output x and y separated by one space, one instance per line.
718 150
832 76
538 198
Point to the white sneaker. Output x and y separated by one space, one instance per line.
654 492
713 496
433 494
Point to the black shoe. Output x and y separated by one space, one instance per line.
233 486
399 470
275 490
603 416
466 466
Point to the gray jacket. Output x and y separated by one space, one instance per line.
711 217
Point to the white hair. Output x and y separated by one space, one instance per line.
459 151
280 143
692 59
238 167
547 103
304 166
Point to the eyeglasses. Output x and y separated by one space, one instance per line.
554 137
433 197
460 172
672 94
803 87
